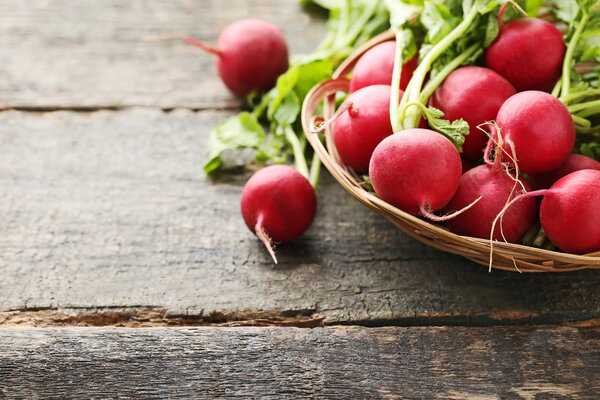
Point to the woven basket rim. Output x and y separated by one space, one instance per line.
506 256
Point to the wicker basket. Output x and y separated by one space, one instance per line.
506 256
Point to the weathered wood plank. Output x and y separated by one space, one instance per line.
340 363
67 53
111 212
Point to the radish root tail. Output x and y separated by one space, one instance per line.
426 211
264 237
503 10
325 124
194 42
494 138
503 211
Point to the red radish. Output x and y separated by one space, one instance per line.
376 67
569 211
540 129
529 52
416 170
278 205
363 125
495 188
251 54
474 94
575 162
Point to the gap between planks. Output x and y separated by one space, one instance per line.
155 317
100 107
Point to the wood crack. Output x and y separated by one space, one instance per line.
142 316
152 317
108 107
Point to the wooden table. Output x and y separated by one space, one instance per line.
125 272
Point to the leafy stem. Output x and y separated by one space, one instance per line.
395 95
583 106
351 36
566 71
300 161
578 95
588 112
581 121
413 93
315 169
434 83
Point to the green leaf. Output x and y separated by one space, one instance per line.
299 79
403 12
438 20
272 150
407 40
533 7
491 30
482 6
455 130
591 150
379 23
237 132
588 47
288 110
310 74
326 4
564 10
593 77
585 5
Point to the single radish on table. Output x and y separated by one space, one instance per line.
250 55
474 94
575 162
536 128
495 188
363 124
569 211
278 205
416 170
376 67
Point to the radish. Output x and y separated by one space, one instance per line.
569 211
278 205
474 94
529 52
363 123
575 162
537 130
495 188
376 67
416 170
251 54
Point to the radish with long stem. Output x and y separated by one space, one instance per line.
250 55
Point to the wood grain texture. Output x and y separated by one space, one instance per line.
107 218
340 363
78 54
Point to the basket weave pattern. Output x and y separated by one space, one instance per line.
506 256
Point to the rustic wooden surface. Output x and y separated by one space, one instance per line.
111 210
336 363
92 54
108 219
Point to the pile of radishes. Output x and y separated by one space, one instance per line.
453 121
519 136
